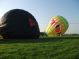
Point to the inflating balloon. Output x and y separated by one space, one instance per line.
20 24
57 26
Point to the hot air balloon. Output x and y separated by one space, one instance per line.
19 24
57 26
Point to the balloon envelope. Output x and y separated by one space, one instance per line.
57 26
19 24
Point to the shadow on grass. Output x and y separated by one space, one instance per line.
51 39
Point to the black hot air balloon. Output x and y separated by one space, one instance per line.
19 24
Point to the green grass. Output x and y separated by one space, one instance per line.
48 48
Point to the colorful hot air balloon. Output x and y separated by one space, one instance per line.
57 26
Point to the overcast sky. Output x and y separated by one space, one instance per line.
44 10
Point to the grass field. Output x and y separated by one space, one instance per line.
44 48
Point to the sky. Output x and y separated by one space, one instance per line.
44 10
